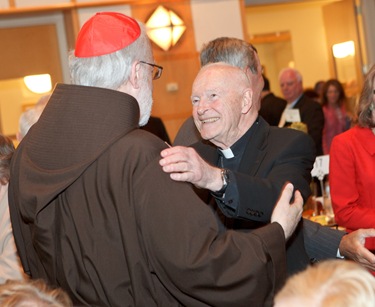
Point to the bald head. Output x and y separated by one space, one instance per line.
290 81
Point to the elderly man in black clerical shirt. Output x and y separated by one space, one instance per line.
245 161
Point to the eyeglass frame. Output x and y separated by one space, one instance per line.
159 71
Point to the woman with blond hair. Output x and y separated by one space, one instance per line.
32 293
331 283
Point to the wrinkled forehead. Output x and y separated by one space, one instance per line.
220 74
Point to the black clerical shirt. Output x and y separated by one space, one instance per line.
231 159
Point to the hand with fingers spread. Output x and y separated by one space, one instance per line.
185 164
352 247
288 214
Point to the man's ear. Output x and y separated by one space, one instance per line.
134 76
247 100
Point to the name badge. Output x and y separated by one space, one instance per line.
292 116
321 167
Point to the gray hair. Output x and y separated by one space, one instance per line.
111 70
233 51
239 53
296 73
27 119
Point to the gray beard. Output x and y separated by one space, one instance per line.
145 104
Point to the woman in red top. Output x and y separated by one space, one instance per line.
352 167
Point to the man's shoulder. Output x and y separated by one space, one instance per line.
287 136
287 133
206 149
187 134
272 99
307 102
140 143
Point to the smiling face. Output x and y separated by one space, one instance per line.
222 104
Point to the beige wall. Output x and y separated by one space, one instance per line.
212 19
204 21
274 57
86 13
14 98
308 41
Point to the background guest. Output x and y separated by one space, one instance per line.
271 106
352 167
336 119
32 293
310 92
331 283
30 117
10 265
318 88
308 112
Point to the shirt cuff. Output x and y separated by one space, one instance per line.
338 255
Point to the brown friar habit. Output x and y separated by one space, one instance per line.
93 213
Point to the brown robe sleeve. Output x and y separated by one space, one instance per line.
193 259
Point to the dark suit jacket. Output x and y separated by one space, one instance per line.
272 157
312 115
271 108
320 242
187 134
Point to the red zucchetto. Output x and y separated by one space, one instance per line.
106 33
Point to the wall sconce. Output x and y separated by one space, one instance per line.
38 84
345 62
165 28
343 50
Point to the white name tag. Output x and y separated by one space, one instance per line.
321 167
292 115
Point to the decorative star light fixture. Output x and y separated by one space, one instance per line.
165 28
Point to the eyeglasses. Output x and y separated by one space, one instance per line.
156 70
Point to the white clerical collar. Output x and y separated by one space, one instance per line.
227 153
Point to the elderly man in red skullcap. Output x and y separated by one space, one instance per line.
94 213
